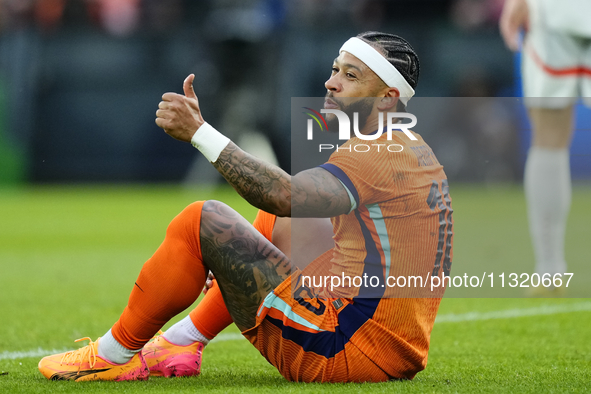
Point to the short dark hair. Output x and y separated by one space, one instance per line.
398 52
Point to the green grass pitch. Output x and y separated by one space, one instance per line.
69 257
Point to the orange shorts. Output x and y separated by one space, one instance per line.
307 340
327 340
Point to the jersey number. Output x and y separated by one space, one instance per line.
305 291
441 200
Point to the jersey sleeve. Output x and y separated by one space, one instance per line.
264 223
368 177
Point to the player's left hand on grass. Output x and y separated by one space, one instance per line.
208 282
179 115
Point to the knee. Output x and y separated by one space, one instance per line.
213 209
212 205
552 128
220 226
218 221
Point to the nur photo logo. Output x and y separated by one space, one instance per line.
390 119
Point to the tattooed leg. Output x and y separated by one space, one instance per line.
246 265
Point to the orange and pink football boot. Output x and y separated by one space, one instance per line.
169 360
85 364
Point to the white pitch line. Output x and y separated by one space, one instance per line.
512 313
39 352
447 318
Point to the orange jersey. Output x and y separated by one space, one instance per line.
400 224
400 221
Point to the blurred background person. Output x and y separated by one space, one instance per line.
556 69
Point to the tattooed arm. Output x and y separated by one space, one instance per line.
263 185
310 193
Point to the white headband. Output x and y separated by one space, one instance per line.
380 65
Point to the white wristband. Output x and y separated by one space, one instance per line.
209 141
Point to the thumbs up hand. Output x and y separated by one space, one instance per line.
188 87
180 116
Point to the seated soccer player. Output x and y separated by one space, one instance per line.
178 351
391 216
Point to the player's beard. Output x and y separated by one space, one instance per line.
362 106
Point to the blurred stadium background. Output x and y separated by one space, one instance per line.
80 80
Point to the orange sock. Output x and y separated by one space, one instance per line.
211 316
169 282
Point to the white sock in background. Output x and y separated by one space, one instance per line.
184 333
113 351
548 195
